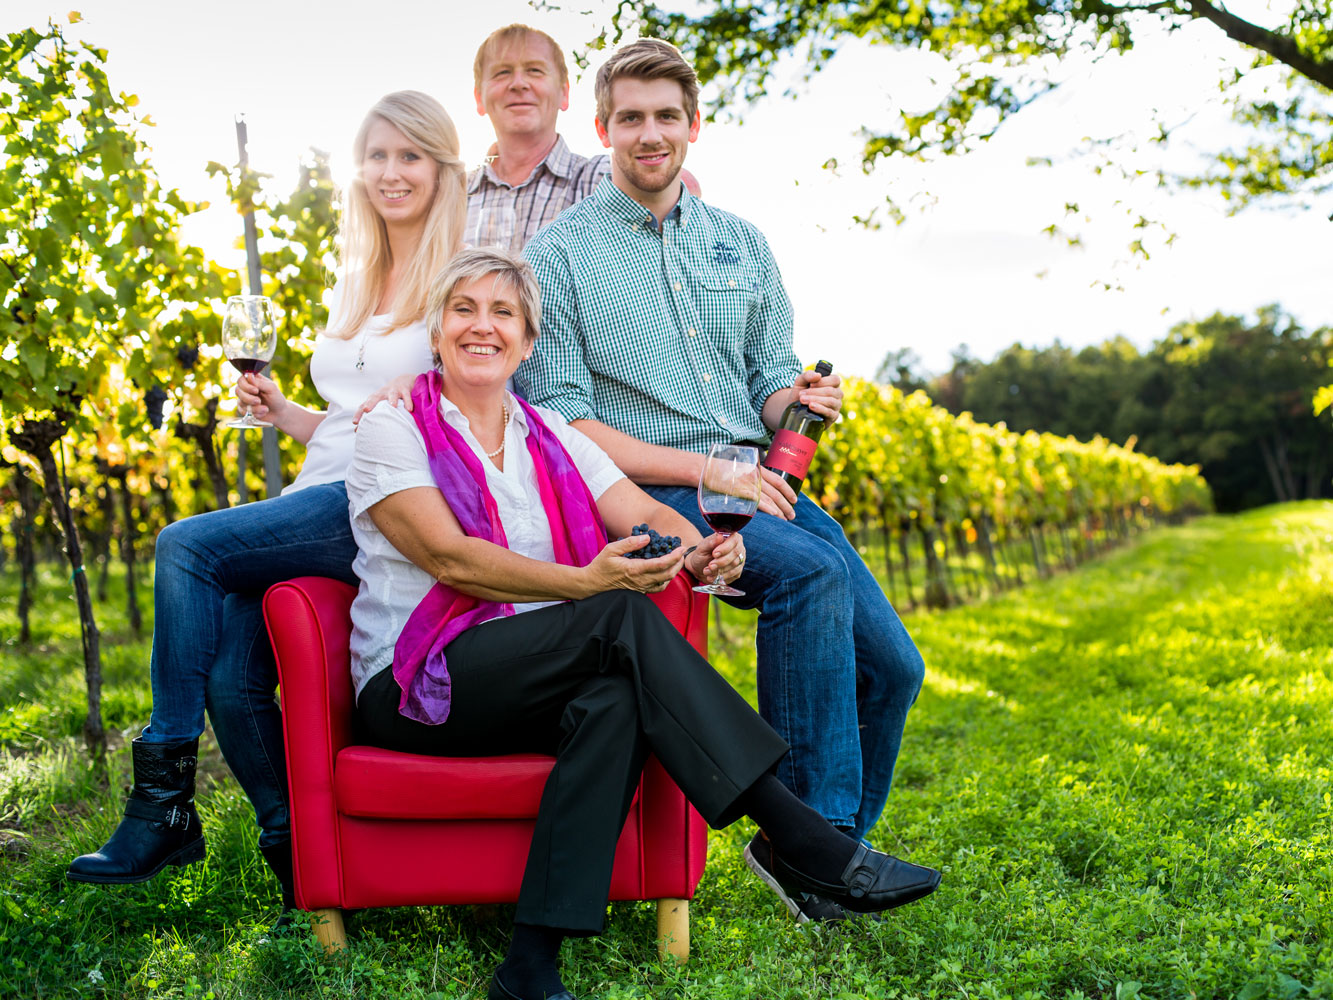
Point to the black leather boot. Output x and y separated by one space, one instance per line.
160 826
279 858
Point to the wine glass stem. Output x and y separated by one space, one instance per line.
719 582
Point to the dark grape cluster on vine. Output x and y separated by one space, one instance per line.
187 356
152 404
658 545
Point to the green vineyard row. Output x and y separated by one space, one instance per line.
904 462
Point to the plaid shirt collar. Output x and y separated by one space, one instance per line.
559 161
619 205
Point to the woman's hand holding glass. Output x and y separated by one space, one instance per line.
249 340
718 557
261 397
730 487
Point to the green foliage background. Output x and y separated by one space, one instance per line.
995 59
1229 393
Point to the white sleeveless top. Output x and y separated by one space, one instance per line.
334 372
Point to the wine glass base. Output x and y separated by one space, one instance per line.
247 422
718 589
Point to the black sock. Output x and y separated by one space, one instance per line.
800 836
529 969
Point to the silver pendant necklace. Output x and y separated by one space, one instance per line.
361 351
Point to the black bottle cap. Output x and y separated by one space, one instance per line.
823 368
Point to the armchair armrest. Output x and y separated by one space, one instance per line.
311 648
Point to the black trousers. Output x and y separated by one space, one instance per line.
598 683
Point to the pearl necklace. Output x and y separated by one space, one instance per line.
504 431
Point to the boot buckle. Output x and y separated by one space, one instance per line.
184 764
176 819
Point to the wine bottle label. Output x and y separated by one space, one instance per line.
790 453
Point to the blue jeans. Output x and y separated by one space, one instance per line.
210 646
837 669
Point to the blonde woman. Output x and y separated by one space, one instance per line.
404 217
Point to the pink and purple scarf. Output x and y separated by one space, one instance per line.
577 535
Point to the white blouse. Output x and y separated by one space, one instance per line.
390 456
334 372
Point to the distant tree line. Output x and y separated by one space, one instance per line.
1228 394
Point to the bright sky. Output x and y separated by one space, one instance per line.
971 263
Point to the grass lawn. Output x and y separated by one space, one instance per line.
1125 774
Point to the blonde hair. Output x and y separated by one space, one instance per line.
512 36
646 59
513 273
365 241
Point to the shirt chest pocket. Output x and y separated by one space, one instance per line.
726 301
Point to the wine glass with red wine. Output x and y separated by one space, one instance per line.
729 489
249 338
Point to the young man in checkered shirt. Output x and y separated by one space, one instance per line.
666 330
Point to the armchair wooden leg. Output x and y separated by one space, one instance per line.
329 929
673 929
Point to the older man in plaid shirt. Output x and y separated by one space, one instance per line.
666 330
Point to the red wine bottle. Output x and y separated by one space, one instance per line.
796 438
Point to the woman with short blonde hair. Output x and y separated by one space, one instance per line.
497 615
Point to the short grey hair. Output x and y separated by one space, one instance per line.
467 266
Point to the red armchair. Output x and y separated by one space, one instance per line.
374 827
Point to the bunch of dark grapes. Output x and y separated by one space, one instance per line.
152 403
658 545
187 356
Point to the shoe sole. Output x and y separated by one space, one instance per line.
858 906
767 878
186 855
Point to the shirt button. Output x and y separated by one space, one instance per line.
731 284
635 227
692 331
676 286
706 376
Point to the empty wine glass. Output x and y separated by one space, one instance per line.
496 224
249 338
729 490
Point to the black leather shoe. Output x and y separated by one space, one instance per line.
499 991
872 881
806 907
160 826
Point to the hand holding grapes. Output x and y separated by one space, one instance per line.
611 570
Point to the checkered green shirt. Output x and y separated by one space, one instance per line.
674 337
